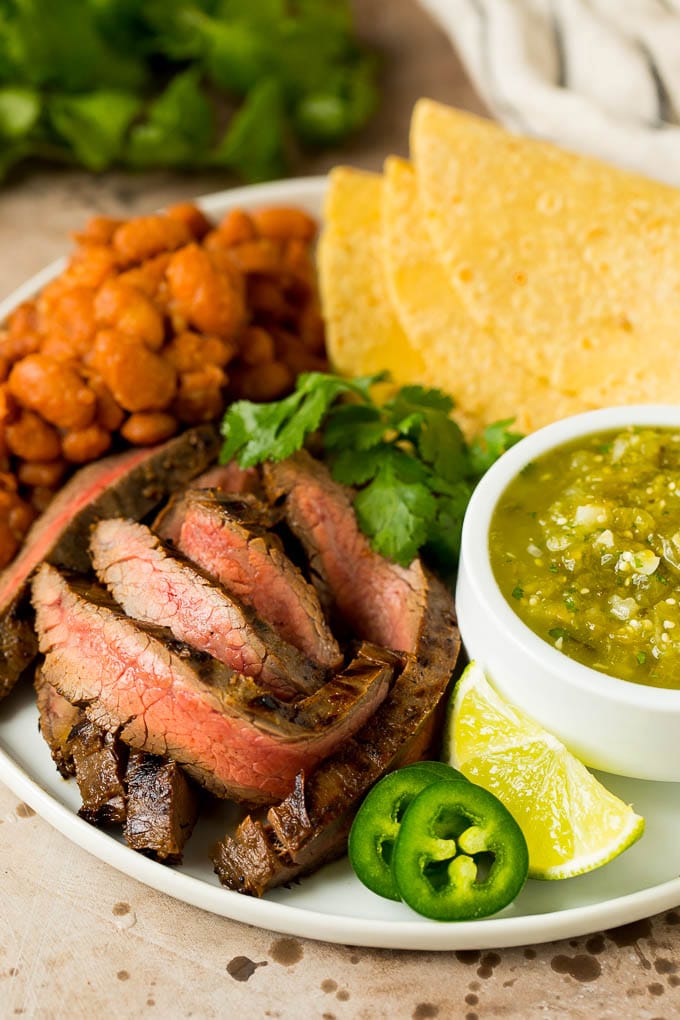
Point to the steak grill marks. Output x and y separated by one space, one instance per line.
229 537
155 587
375 599
134 707
310 826
129 484
165 698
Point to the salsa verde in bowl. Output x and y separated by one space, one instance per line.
568 590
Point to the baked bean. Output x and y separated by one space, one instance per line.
298 262
261 256
144 236
83 445
128 310
139 379
145 429
209 297
310 327
149 277
47 474
8 405
200 396
293 353
263 382
41 497
267 299
256 346
90 266
16 517
193 217
188 351
22 336
8 482
98 230
133 340
31 438
282 223
68 323
236 227
53 389
110 415
21 517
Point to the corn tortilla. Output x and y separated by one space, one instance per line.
362 333
573 264
464 356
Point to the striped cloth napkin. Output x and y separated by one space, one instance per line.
597 76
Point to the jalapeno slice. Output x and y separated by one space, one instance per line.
374 831
459 854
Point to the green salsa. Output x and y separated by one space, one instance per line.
585 546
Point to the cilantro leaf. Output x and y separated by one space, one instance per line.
443 540
19 111
93 124
408 460
178 123
363 422
409 397
356 467
442 445
254 145
257 432
396 515
278 71
495 440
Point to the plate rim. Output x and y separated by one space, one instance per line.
421 934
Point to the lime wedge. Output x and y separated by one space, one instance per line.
571 823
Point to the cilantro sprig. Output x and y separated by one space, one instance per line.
407 459
216 84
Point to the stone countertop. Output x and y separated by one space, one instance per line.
79 939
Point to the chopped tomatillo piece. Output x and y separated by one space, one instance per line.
375 828
459 854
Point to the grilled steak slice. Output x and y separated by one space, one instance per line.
129 484
227 536
229 478
165 698
377 600
156 587
100 760
162 807
57 718
311 825
223 477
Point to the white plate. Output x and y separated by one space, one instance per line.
332 905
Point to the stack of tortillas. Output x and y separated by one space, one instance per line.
526 281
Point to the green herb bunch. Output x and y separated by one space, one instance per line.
140 83
408 460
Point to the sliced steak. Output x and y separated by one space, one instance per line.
166 698
155 586
228 478
162 807
100 760
56 719
129 484
376 599
311 824
228 537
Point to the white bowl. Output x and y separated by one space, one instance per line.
610 724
